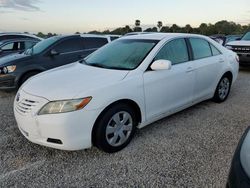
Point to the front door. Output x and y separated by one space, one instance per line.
168 90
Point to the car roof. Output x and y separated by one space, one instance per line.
94 35
19 34
160 36
19 39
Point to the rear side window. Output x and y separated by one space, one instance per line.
174 51
94 42
215 51
13 46
201 48
69 45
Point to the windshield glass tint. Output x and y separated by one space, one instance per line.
124 54
41 46
246 36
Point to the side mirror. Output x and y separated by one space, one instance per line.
238 39
53 52
161 65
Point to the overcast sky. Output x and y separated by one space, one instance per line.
69 16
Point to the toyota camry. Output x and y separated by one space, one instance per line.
128 84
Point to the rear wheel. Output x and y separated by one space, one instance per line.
223 89
115 128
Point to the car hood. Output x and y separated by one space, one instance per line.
239 43
9 59
71 80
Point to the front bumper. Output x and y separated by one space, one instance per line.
237 176
7 82
244 58
65 131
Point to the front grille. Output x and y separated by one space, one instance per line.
25 106
241 49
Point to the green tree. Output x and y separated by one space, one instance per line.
188 29
175 28
203 28
153 29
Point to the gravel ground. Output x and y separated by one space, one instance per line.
192 148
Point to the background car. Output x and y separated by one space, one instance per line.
242 48
124 85
231 38
18 45
223 40
47 54
239 175
16 35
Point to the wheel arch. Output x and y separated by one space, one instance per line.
129 102
229 74
27 72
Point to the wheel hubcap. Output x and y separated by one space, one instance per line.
119 128
224 88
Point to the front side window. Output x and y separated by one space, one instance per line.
201 48
41 46
174 51
114 38
29 44
124 54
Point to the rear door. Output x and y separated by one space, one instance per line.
208 63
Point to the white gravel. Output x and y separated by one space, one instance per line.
192 148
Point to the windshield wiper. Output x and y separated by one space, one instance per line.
97 65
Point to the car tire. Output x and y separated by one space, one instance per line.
223 89
115 128
26 77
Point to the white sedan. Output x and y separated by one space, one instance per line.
125 85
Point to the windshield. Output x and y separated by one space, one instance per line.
124 54
246 36
41 46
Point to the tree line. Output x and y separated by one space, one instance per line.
222 27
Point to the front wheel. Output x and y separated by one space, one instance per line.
222 90
115 128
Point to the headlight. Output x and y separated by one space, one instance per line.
7 69
229 47
56 107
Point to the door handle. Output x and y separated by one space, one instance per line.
221 61
190 69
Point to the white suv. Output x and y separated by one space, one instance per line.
124 85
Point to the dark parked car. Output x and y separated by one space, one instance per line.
239 176
49 53
242 48
18 45
223 40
